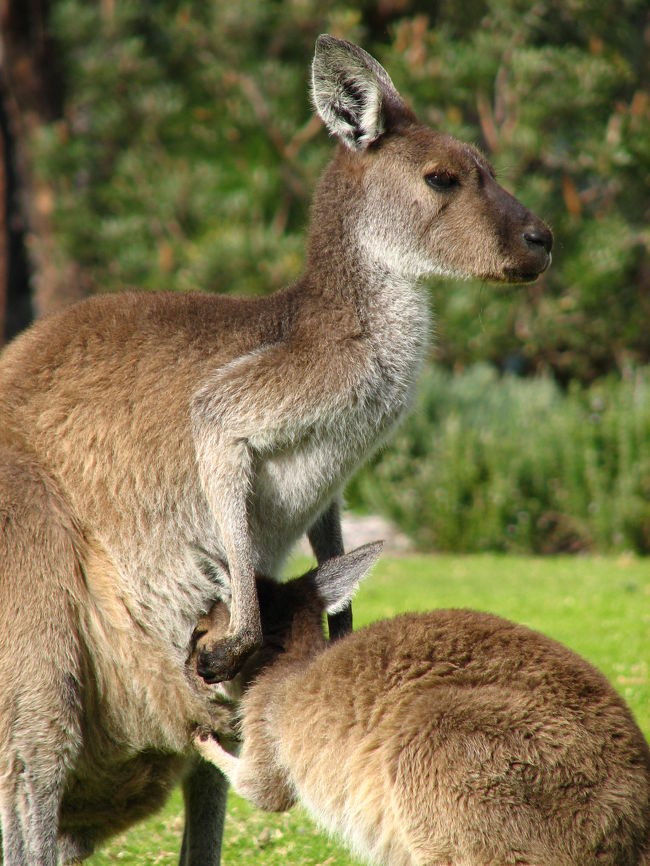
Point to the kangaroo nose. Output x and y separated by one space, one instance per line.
538 236
204 666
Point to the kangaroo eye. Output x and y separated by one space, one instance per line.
441 181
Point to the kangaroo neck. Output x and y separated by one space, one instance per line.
342 271
345 262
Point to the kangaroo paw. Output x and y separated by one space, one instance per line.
211 750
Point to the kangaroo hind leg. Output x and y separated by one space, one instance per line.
40 659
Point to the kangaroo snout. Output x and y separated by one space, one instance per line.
539 243
223 661
531 255
524 240
538 236
204 666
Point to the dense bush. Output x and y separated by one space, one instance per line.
518 465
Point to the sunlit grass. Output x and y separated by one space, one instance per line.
600 607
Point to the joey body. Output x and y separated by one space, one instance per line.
139 428
461 739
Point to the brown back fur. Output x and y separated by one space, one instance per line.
459 738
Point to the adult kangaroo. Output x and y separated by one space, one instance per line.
139 428
461 739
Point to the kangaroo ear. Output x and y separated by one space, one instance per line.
217 570
353 94
337 579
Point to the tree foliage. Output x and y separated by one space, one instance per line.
188 152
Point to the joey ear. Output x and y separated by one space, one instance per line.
337 579
352 93
217 570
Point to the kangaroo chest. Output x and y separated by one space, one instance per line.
294 484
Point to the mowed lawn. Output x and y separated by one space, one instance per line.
600 607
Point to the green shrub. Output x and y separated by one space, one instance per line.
507 464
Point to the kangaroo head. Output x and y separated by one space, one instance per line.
418 201
292 612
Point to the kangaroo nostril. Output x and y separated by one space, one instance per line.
539 236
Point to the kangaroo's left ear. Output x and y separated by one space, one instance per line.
337 579
217 570
353 94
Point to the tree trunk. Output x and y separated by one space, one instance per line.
35 276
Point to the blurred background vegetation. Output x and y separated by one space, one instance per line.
171 145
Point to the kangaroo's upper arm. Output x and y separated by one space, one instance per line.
277 393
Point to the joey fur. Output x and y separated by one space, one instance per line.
138 428
461 739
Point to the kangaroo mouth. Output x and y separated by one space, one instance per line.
527 274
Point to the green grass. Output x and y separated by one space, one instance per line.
600 607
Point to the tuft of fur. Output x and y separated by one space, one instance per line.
460 738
